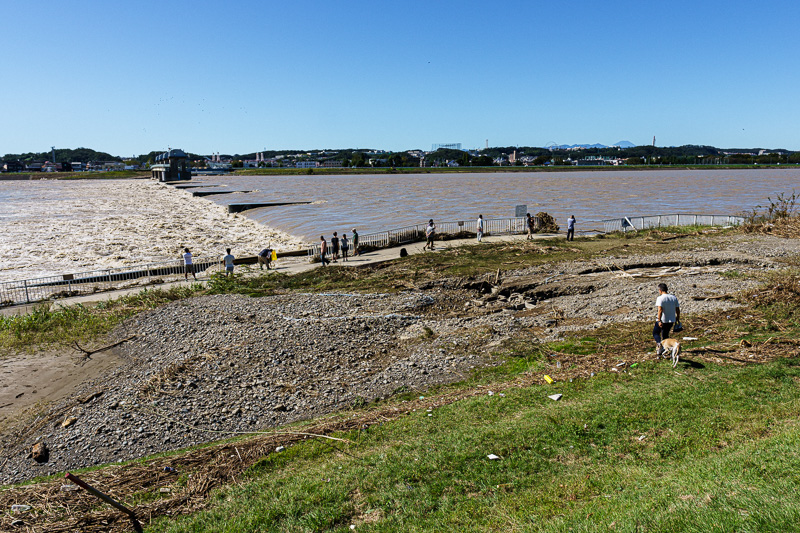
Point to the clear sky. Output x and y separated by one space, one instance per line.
242 76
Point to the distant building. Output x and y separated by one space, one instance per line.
13 166
307 164
332 163
172 166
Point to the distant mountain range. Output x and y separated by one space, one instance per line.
621 144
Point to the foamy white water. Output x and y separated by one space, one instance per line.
57 227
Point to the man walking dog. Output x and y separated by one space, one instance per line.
668 313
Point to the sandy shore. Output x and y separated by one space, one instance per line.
56 227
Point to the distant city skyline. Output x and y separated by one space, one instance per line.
280 75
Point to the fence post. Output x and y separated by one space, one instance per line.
27 298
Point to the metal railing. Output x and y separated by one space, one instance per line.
415 233
92 281
659 221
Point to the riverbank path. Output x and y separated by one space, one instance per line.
288 265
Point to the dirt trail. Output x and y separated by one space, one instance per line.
31 380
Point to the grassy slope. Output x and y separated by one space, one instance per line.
720 453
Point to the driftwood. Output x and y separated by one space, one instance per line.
719 297
87 354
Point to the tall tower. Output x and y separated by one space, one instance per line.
487 144
53 149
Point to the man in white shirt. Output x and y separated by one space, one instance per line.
188 267
480 227
668 313
228 260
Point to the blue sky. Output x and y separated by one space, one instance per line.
243 76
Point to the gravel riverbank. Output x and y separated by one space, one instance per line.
206 368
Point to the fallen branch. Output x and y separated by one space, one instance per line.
87 354
719 297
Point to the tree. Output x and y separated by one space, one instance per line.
358 160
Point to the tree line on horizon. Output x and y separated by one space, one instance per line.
680 155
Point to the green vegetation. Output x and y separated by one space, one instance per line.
712 448
63 155
67 324
111 174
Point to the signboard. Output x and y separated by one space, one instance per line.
520 211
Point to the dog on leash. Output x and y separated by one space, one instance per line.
673 346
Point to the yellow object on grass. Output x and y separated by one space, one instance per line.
548 378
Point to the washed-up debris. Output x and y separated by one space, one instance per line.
170 470
690 338
165 490
634 365
17 523
555 397
548 378
642 437
493 457
621 364
279 449
109 500
17 508
40 452
69 488
68 422
491 393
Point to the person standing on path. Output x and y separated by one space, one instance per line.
529 223
188 267
228 260
345 247
571 228
323 250
335 247
668 312
355 242
479 229
430 231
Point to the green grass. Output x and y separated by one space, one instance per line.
719 453
66 324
